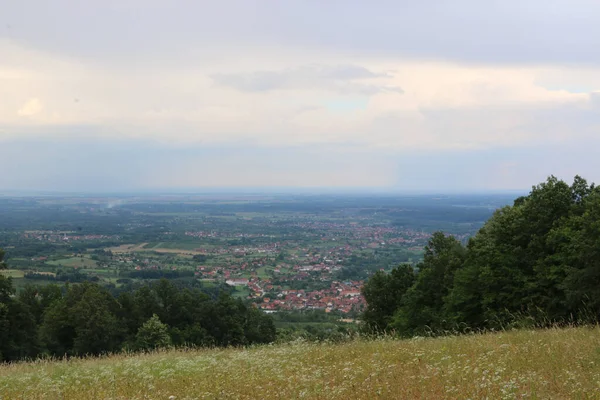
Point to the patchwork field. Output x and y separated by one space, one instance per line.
79 262
127 248
555 363
146 247
13 273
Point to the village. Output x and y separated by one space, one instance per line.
276 261
270 297
303 268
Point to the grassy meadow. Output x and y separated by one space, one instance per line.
555 363
12 273
78 262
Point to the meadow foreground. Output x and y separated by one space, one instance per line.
555 363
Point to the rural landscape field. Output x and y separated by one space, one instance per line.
281 252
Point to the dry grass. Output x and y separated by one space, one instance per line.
126 248
139 248
556 363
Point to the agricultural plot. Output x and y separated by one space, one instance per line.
127 248
20 283
157 247
12 273
74 262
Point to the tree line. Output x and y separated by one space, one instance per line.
85 319
533 263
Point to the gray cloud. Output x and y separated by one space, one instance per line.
140 69
493 31
340 78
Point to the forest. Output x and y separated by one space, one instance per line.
534 263
86 319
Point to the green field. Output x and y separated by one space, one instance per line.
319 325
74 262
241 291
20 283
555 363
100 272
180 245
12 273
264 272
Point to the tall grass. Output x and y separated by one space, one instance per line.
532 364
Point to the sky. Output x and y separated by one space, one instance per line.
435 95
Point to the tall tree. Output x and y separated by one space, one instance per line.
153 334
582 255
423 304
2 263
18 328
83 322
383 293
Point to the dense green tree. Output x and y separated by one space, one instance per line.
153 334
537 261
423 304
85 318
492 283
383 293
22 341
519 262
96 327
581 254
259 327
225 321
39 298
2 263
4 329
56 331
83 322
18 328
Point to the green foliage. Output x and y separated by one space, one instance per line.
18 330
537 260
201 258
63 276
2 263
153 335
422 306
85 319
158 274
82 322
384 294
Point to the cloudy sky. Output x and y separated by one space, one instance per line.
460 95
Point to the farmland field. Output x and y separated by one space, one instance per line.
555 363
175 251
126 248
20 283
79 262
173 248
318 246
12 273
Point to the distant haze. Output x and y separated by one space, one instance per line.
431 96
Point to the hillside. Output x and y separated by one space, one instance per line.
555 363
